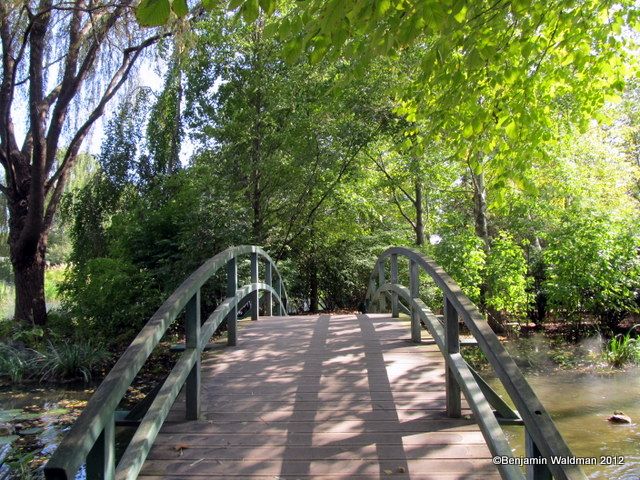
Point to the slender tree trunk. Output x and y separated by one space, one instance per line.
419 215
480 210
482 230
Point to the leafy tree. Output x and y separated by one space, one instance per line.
41 40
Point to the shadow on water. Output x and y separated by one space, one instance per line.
580 402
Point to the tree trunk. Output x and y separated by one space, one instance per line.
313 287
419 215
480 210
30 308
482 230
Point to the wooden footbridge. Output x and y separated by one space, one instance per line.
317 397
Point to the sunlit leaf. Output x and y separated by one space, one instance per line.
152 13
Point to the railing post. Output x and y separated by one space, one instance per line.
414 288
534 472
101 460
232 287
452 345
255 308
382 301
370 308
394 279
279 290
268 297
192 390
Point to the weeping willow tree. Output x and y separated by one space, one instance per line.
62 62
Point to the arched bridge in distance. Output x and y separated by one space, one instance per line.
366 396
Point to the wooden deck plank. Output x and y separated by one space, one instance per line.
325 398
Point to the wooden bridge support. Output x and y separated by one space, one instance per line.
452 345
394 279
414 288
382 302
268 297
101 461
255 307
193 342
534 472
232 288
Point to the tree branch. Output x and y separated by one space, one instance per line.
74 73
393 181
397 202
59 179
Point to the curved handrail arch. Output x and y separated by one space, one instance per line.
92 435
543 438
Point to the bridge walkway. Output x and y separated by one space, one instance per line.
322 397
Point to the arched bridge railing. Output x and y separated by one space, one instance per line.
543 442
92 437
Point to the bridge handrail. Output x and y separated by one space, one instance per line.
541 434
92 435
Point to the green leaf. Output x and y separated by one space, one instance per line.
209 4
233 4
382 7
292 50
511 130
250 11
152 13
180 8
468 131
271 29
461 15
268 6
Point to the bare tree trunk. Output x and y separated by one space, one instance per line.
28 270
482 230
419 214
480 209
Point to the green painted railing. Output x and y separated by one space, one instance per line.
542 439
91 440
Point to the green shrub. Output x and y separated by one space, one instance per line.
461 255
16 364
623 349
593 267
72 360
475 357
7 299
110 298
53 277
507 277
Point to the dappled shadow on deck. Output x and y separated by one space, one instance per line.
321 397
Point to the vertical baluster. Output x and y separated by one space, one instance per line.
232 287
534 472
193 341
394 279
382 301
368 304
268 297
255 294
414 287
101 460
279 290
452 345
285 301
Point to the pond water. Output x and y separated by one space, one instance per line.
579 401
39 417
